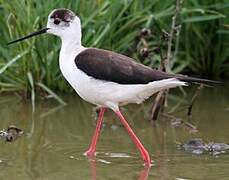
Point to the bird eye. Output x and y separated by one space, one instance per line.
56 21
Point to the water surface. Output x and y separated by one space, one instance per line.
56 137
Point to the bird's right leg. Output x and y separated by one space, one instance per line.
137 142
92 148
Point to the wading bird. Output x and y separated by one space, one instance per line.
105 78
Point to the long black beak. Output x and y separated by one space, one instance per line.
42 31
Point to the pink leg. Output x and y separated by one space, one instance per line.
93 169
144 173
143 151
91 150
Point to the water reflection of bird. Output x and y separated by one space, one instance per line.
105 78
143 175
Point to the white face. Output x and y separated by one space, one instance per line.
63 22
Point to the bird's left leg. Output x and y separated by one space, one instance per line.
92 148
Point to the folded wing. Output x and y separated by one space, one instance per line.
109 66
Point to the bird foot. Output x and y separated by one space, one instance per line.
147 160
89 153
148 164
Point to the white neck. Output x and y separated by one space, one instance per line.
71 43
71 47
71 39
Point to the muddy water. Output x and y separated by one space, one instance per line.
55 138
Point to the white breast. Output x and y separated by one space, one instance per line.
85 86
68 66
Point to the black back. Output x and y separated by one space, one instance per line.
110 66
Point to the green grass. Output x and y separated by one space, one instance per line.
200 48
205 37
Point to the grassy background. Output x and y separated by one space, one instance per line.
200 47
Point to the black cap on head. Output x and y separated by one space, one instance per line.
62 15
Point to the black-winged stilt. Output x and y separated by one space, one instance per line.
105 78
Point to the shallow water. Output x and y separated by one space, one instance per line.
55 138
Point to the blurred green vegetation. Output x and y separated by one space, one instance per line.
200 46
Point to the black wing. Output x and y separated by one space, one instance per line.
110 66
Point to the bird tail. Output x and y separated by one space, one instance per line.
195 80
160 75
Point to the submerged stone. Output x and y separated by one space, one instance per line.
195 146
218 146
11 134
198 146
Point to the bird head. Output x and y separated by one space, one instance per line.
61 22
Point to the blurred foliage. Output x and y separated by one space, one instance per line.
200 46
